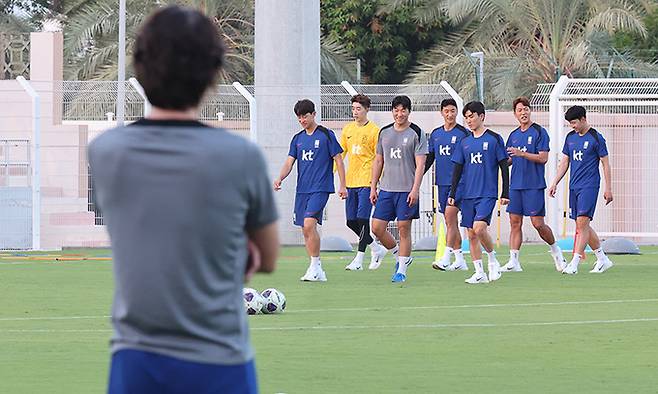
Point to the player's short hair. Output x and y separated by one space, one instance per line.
448 102
521 100
404 101
575 112
475 107
361 99
178 53
304 106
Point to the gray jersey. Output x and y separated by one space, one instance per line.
399 149
178 198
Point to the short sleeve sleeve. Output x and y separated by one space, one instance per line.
458 153
421 147
380 149
334 146
293 148
501 152
262 208
543 141
602 148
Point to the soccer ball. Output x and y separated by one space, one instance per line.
274 301
253 302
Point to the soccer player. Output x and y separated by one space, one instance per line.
477 160
315 149
359 141
182 218
528 147
401 150
442 144
583 149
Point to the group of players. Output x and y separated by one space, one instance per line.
386 167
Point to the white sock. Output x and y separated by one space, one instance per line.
394 251
478 266
459 255
447 253
599 254
315 262
575 260
491 256
555 249
359 256
513 254
404 263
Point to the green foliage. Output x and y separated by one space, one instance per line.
388 43
642 47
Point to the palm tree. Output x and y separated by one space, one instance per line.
526 42
92 30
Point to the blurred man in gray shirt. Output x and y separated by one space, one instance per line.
190 214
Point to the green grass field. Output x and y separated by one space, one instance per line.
535 331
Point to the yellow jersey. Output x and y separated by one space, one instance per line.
359 145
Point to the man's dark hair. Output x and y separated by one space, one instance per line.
404 101
448 102
521 100
304 106
177 55
575 112
475 107
361 99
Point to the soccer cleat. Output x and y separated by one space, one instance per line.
314 275
398 278
601 266
395 271
570 269
511 266
441 265
494 271
377 256
560 262
477 278
355 265
457 266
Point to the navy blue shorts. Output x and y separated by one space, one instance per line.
527 202
392 205
309 205
444 191
358 205
136 371
582 202
477 210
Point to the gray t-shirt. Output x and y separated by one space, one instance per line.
178 198
399 149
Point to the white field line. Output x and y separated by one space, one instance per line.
384 327
458 325
467 306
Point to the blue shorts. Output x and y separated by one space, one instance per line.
477 210
582 202
358 205
309 205
527 202
392 205
444 191
136 371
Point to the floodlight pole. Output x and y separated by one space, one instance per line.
121 78
480 57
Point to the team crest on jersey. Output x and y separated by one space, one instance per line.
485 146
586 144
405 140
454 139
317 143
529 139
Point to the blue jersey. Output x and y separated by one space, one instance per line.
527 174
315 159
442 143
584 153
480 157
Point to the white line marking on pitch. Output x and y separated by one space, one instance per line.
564 303
458 325
475 306
375 327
